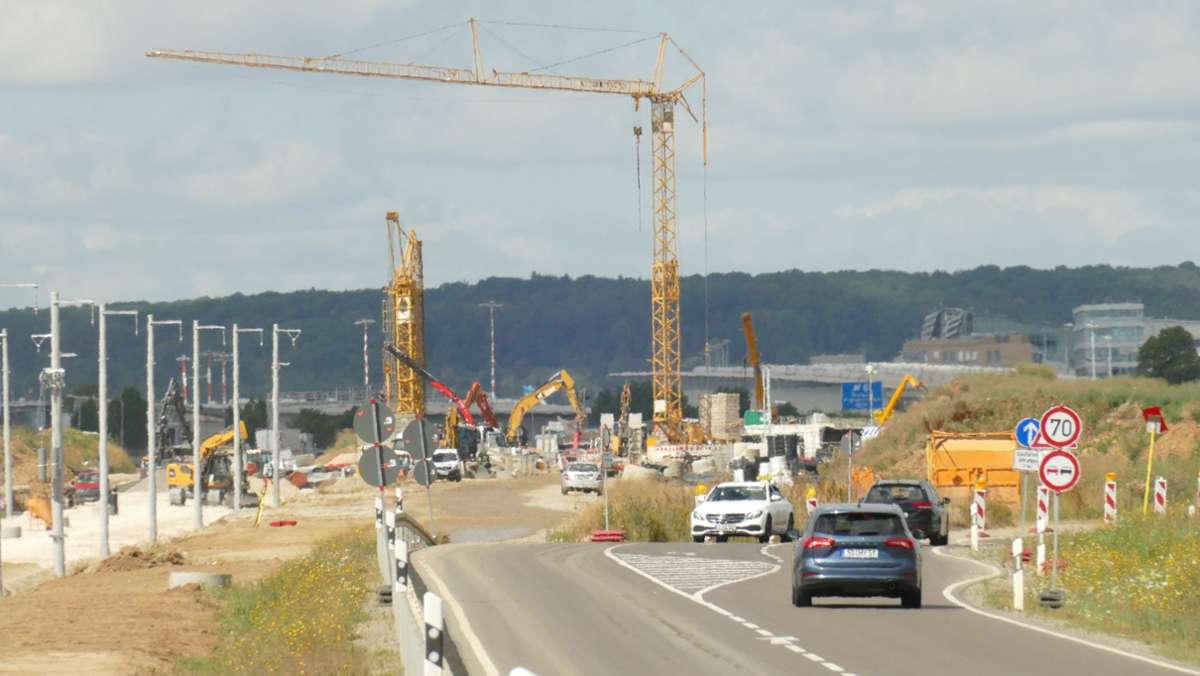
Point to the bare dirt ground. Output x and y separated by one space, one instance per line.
118 617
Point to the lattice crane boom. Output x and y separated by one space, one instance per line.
664 320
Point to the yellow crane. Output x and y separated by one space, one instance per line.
664 270
881 417
755 360
404 320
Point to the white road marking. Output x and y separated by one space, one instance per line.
948 593
731 571
763 632
463 625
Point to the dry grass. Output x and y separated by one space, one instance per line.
80 450
299 620
647 511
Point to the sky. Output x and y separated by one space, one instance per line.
901 135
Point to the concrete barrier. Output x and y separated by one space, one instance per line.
10 532
209 580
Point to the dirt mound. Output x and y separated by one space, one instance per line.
136 558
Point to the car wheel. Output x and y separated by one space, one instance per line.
911 599
787 534
800 598
722 538
698 539
766 535
564 490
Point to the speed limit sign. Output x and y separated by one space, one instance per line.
1060 428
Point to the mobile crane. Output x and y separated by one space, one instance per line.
437 384
881 417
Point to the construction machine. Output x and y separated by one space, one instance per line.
881 417
437 384
559 381
475 396
216 470
173 402
754 358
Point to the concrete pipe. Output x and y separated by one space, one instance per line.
208 580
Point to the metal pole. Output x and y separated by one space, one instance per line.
197 481
102 369
1054 561
8 483
237 413
365 324
1108 350
275 415
56 384
1092 332
151 461
491 305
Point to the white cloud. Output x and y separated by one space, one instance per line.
292 169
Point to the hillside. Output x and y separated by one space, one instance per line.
594 325
1114 437
79 451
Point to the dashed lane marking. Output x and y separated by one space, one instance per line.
693 577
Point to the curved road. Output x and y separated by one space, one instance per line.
720 609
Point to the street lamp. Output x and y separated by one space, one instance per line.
1092 337
1108 351
8 482
237 414
275 364
151 427
365 324
491 305
197 483
102 359
870 369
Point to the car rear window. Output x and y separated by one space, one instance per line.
859 523
895 493
582 467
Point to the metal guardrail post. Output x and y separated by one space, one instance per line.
435 628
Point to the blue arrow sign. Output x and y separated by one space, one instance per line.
1026 432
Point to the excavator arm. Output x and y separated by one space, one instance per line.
475 396
437 384
881 417
754 358
559 381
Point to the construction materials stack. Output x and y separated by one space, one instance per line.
720 416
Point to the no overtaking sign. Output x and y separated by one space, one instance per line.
1059 471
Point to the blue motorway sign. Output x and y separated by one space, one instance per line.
856 398
1026 432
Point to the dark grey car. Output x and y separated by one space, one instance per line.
928 515
857 550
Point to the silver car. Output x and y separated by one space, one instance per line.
582 476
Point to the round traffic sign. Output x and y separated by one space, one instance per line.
365 423
1059 471
1060 427
1026 432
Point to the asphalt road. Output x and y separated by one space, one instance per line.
722 609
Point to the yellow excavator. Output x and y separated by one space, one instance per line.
216 462
882 416
559 381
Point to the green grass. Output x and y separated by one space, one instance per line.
300 619
1137 580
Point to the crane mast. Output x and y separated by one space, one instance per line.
664 269
404 320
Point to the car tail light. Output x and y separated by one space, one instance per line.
818 542
899 543
922 504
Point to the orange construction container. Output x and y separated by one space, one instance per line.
955 460
39 507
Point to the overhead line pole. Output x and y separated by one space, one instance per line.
275 365
237 414
9 503
102 373
197 482
366 324
151 426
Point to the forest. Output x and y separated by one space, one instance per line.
591 325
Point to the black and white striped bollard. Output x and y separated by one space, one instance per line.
435 627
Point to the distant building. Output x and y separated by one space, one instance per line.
951 322
1006 350
1106 337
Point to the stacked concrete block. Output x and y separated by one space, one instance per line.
725 420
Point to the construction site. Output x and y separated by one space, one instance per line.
321 531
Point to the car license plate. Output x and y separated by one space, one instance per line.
726 528
860 553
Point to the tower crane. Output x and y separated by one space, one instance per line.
664 270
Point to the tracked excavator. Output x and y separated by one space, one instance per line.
559 381
216 471
469 447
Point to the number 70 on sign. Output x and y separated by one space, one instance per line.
1060 428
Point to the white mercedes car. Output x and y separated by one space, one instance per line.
746 508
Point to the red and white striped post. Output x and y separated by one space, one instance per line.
1160 495
978 513
1042 525
1110 498
810 500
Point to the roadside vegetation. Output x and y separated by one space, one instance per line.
1137 580
648 511
1114 437
301 619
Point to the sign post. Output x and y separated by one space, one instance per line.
1059 472
1026 459
1155 425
